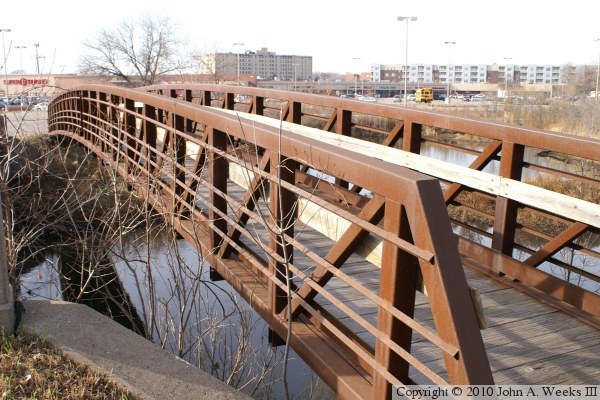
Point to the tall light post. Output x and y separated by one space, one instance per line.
357 59
5 63
448 73
506 77
37 59
22 71
21 55
597 73
238 61
406 57
295 66
44 58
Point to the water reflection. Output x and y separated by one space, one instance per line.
204 323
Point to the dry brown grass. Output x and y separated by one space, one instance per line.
581 118
31 369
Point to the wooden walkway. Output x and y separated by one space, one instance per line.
527 342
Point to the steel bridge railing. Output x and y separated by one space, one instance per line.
526 210
241 192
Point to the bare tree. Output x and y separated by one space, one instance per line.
137 51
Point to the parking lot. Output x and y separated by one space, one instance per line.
26 122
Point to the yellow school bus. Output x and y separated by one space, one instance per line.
425 95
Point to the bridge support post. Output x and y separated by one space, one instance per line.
411 140
399 280
218 171
283 217
259 105
343 127
505 221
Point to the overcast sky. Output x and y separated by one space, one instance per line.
334 32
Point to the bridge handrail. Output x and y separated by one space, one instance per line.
505 215
152 140
579 146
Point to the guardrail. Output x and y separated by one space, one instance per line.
241 191
512 220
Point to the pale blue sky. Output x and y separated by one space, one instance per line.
333 32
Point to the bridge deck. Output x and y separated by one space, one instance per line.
527 342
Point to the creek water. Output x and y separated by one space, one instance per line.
202 322
185 297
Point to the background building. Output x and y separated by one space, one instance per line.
261 63
468 73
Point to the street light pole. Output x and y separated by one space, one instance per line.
295 66
21 55
238 62
406 57
37 59
506 78
448 73
597 73
357 59
22 71
5 63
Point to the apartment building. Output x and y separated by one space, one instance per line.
261 63
468 73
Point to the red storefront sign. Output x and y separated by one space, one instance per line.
26 82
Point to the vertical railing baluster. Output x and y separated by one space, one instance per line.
179 145
114 126
129 129
229 101
398 285
218 172
505 220
281 203
92 111
79 110
102 114
343 127
189 124
295 113
149 136
206 98
411 140
259 105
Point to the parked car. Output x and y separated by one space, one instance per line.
411 97
2 106
369 99
398 98
478 97
439 96
41 106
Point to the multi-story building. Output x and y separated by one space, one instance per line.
468 73
261 63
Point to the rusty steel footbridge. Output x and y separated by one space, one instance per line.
390 267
